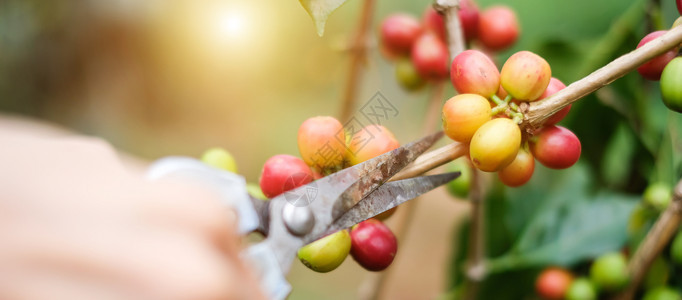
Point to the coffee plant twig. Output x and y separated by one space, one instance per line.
358 50
655 241
536 112
455 36
374 285
449 9
475 263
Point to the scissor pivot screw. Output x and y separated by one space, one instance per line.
298 219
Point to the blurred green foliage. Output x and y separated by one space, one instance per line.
629 139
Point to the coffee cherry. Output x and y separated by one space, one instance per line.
677 22
525 76
653 68
609 272
434 23
679 6
430 57
374 245
469 16
473 72
370 142
658 195
255 191
282 173
581 289
495 144
519 171
555 147
658 274
459 188
671 85
553 283
322 143
554 86
399 32
327 253
463 115
676 249
662 293
498 28
220 158
407 75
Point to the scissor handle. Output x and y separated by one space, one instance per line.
232 189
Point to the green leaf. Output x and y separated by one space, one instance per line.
572 224
618 156
320 10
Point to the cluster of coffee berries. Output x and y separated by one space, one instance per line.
486 115
419 48
607 275
667 68
325 147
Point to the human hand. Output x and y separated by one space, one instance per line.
75 224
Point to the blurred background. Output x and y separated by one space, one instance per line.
158 78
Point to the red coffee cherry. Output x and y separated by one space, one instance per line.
373 245
525 76
434 23
430 57
498 28
282 173
554 86
469 16
322 143
555 147
398 33
553 283
519 171
653 68
473 72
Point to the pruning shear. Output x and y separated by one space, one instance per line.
312 211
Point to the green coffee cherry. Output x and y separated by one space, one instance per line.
255 191
220 158
658 274
581 289
327 253
609 272
671 90
407 75
658 195
676 249
662 293
459 187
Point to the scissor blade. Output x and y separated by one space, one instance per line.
390 195
377 171
331 196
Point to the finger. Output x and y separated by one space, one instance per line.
183 206
158 265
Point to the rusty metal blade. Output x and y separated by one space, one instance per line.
390 195
377 171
